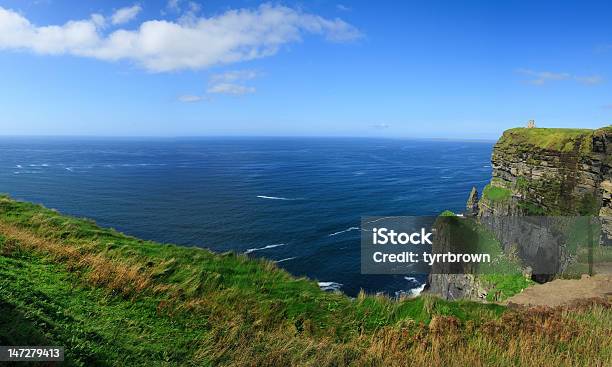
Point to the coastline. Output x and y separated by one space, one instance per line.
85 282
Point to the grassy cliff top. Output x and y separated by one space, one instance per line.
555 139
112 299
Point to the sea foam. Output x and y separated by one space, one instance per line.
264 248
346 230
287 259
330 286
275 198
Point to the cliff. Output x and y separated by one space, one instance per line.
550 172
540 178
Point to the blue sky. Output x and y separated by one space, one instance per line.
313 68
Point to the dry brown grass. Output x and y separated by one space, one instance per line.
525 337
575 335
118 277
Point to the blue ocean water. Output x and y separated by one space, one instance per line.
297 201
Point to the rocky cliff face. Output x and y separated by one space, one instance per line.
550 172
456 286
539 172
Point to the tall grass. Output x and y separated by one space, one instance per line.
117 300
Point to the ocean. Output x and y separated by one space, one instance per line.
296 201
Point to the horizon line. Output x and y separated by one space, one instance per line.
122 137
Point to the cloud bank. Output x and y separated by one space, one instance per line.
191 42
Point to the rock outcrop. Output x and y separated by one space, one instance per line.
456 286
539 172
549 172
471 208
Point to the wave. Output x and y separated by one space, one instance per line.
416 291
346 230
379 219
330 286
276 198
115 165
26 172
287 259
411 292
39 165
19 166
141 164
248 251
69 169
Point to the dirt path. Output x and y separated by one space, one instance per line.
562 291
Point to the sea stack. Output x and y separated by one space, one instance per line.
472 203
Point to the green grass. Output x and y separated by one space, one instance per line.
561 140
496 193
42 306
532 209
59 306
503 286
205 309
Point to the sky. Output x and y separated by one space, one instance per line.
421 69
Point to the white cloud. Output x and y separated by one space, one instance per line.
228 83
193 7
381 126
190 16
124 15
173 5
543 77
589 80
16 32
235 75
230 88
342 7
98 20
176 6
160 45
188 98
231 82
